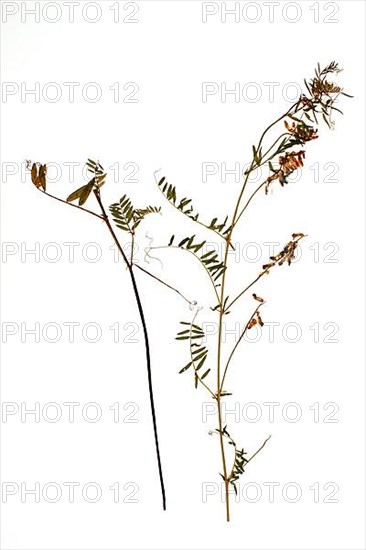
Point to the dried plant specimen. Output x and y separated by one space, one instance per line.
283 156
128 219
297 127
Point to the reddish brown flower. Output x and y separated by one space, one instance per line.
38 175
287 254
301 131
258 298
288 164
255 320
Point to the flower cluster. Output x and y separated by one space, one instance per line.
323 94
286 255
256 320
301 132
288 164
321 87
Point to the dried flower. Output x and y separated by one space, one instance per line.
286 255
255 320
301 132
252 323
38 175
288 164
259 319
323 94
320 87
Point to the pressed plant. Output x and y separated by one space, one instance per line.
282 161
126 218
298 126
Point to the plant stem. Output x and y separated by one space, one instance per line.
245 290
235 219
258 450
163 282
146 339
237 344
129 264
73 205
197 376
221 314
132 246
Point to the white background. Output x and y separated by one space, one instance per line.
169 53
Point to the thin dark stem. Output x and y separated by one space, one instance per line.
163 282
129 265
146 339
264 160
245 290
249 200
132 246
73 205
295 107
235 347
258 450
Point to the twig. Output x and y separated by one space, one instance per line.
258 450
73 205
236 345
162 282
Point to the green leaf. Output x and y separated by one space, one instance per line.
86 192
200 355
194 352
190 241
200 364
205 374
185 368
75 195
207 254
183 242
185 205
100 180
82 193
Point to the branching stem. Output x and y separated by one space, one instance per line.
162 282
236 216
73 205
104 217
237 344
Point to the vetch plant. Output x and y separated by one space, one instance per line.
283 155
126 218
